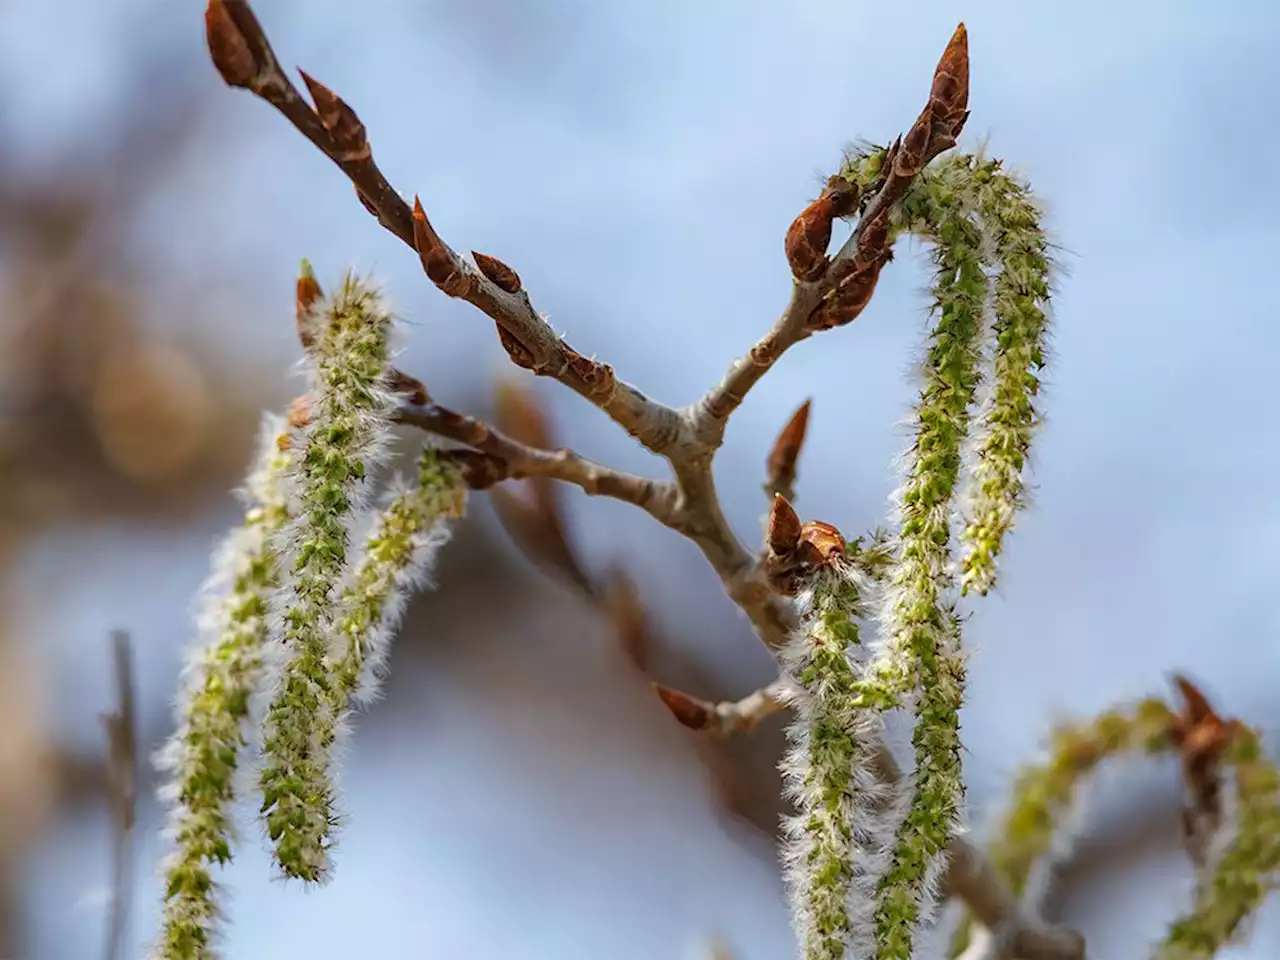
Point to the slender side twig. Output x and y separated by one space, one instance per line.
727 716
122 764
519 460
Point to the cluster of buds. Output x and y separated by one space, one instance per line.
853 280
797 551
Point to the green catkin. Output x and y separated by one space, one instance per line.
920 646
205 752
1247 870
348 415
827 769
1010 219
405 538
1045 793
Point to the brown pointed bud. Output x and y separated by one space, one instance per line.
597 378
873 243
849 299
626 614
1202 738
810 233
949 96
1196 708
497 272
691 712
344 127
480 471
299 412
784 527
796 552
237 45
307 295
440 263
780 469
808 238
913 154
515 350
412 389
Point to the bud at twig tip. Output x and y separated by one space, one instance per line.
691 712
781 465
229 49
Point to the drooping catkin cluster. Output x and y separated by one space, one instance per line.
347 416
829 771
1028 838
219 683
990 277
920 648
1249 867
291 618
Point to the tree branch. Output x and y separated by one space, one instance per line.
655 497
243 55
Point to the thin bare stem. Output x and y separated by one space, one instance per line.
122 765
727 716
655 497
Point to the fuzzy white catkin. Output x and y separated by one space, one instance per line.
398 557
833 845
213 711
347 412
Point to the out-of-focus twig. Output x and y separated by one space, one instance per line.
122 759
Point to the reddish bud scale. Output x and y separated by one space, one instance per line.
808 238
809 235
307 294
441 266
780 469
497 272
516 350
913 153
596 378
229 49
341 122
784 527
949 97
797 551
691 712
